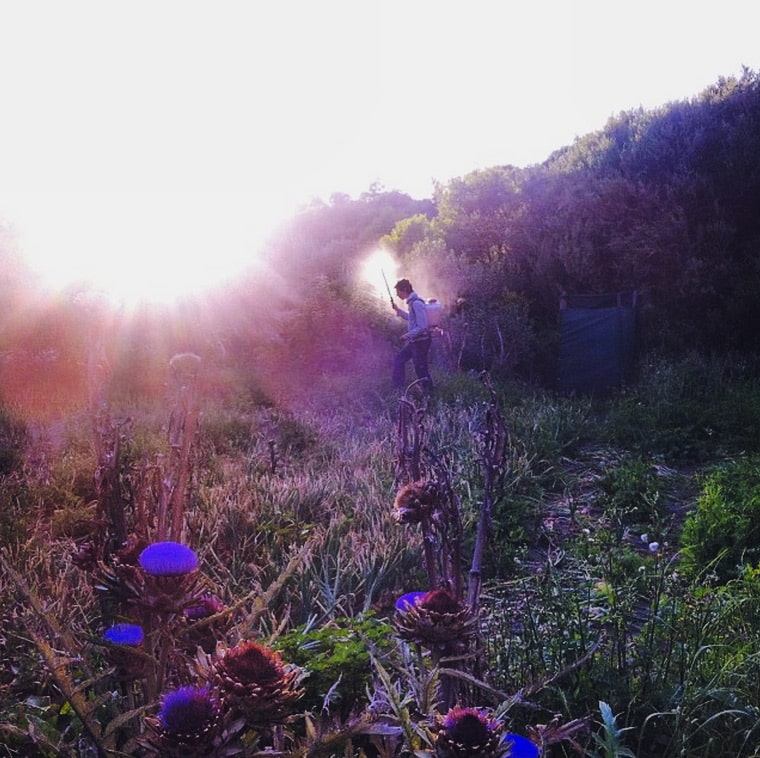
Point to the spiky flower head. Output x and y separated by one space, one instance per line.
168 559
204 635
416 501
436 619
465 732
169 577
121 580
409 598
124 650
204 606
254 681
125 634
187 724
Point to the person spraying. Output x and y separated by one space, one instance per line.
417 337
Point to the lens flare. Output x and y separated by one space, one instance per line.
379 271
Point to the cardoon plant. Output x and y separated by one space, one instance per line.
255 682
188 724
202 629
416 501
170 576
437 621
168 559
469 732
125 650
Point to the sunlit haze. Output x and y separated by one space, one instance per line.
150 147
379 271
138 245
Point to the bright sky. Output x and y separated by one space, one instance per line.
154 144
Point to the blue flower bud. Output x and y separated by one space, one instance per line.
125 634
168 559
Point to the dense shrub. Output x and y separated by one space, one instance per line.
723 533
337 657
688 410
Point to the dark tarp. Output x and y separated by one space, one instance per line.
597 342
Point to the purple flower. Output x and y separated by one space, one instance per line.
168 559
188 710
466 732
205 606
410 598
125 634
520 747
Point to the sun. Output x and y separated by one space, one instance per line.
137 247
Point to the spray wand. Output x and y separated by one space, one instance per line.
387 286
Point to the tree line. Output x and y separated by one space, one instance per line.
664 201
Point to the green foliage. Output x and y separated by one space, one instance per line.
693 409
475 211
609 740
580 611
699 698
224 433
338 658
12 438
723 533
73 521
16 513
22 505
536 624
492 332
630 492
549 427
407 233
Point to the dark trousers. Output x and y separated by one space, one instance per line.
417 351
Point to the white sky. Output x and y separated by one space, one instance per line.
153 144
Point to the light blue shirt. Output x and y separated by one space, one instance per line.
417 316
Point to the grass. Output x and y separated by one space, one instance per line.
582 600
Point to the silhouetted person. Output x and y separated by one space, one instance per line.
416 339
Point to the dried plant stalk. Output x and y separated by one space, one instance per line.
183 422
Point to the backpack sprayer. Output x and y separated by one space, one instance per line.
432 306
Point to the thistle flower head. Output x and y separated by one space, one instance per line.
440 601
437 619
410 598
188 709
415 501
168 559
466 732
124 653
255 681
205 606
249 663
125 634
187 725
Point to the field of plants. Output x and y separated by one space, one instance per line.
496 570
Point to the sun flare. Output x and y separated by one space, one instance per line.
379 271
136 247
